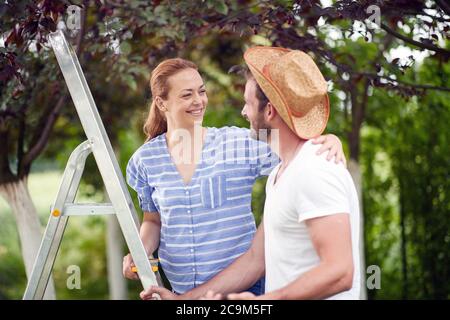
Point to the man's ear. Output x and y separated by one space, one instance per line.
270 111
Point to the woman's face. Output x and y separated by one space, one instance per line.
187 99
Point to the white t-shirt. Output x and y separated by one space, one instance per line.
309 187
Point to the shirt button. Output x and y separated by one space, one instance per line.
192 250
193 269
190 231
187 192
189 211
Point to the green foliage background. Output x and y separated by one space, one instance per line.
404 154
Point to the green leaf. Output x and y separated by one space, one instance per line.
210 4
198 22
221 7
125 48
148 14
129 80
138 70
134 4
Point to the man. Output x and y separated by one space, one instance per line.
307 244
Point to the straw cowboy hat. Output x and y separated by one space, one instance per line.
294 85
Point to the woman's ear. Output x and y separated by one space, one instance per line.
160 104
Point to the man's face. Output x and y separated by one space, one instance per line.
260 130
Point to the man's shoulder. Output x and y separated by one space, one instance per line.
310 164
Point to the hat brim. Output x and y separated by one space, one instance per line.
306 126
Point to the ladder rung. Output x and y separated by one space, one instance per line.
90 209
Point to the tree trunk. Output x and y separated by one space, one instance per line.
403 246
27 220
355 172
358 114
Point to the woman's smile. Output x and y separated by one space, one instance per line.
196 112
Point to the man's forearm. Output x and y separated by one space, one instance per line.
239 276
320 282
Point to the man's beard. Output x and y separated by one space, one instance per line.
260 130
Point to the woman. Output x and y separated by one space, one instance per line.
195 195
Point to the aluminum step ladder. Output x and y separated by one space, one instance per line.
99 145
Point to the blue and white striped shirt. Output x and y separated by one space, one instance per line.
208 223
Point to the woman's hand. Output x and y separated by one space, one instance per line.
334 146
127 266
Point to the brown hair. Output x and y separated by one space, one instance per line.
156 123
260 95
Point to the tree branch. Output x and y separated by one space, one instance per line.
408 84
423 86
116 4
327 55
422 13
44 135
396 34
444 6
353 135
234 15
20 143
365 100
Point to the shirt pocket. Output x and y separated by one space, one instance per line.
213 191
